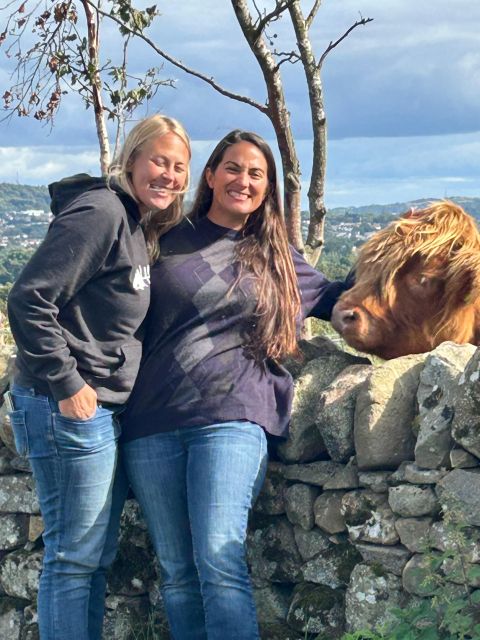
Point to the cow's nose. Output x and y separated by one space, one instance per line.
346 320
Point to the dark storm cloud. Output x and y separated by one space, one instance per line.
413 71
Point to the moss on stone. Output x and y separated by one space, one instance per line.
360 513
316 608
349 559
315 598
378 570
275 631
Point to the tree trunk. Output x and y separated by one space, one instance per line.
280 119
96 83
316 192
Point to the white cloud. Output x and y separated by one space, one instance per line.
359 171
41 165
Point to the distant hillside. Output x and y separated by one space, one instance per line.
471 206
346 228
20 197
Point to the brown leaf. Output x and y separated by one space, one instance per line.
60 12
53 64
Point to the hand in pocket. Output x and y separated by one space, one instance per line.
81 406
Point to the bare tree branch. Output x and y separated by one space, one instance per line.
179 64
286 56
259 13
316 191
121 119
8 5
279 116
281 6
65 57
332 45
311 16
135 22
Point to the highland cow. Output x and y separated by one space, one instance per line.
417 284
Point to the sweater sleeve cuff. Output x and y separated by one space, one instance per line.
323 308
67 387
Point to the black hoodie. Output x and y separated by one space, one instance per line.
77 306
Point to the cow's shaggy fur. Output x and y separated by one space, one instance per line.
417 284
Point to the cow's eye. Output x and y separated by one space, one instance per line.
425 284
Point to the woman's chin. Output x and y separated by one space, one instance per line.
159 202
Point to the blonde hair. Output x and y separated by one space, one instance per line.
156 222
443 231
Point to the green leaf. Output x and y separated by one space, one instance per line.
475 596
473 572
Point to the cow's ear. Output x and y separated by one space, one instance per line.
470 289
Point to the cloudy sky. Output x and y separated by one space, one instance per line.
402 98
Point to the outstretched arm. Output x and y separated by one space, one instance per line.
318 294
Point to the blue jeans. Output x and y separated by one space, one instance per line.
195 487
81 491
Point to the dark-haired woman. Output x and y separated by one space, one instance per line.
210 387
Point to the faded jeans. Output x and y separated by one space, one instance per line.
74 463
195 487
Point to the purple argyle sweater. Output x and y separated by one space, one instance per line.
194 369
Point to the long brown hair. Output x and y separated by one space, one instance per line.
263 252
155 222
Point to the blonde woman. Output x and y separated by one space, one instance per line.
75 313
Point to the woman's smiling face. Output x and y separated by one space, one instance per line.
239 185
159 171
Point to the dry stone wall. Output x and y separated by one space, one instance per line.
351 502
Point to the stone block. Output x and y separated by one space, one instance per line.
299 500
369 518
385 412
305 443
413 501
13 531
315 609
370 598
328 512
336 411
17 495
19 573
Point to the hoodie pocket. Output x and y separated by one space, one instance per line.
132 354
